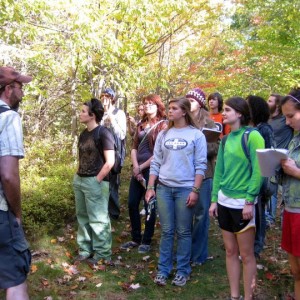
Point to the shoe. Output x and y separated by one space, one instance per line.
144 248
180 280
128 245
80 258
92 261
160 280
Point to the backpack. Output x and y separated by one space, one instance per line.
268 188
119 147
3 109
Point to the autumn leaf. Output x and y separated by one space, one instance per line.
33 268
135 286
53 241
270 276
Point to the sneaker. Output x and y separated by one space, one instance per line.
180 280
92 261
144 248
80 258
160 280
128 245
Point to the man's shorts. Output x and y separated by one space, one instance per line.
290 241
15 257
231 219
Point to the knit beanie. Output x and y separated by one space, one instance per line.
198 95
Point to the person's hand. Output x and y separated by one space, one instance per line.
131 119
213 210
289 166
192 199
106 103
136 171
139 177
149 194
248 212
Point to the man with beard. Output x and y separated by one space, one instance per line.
282 135
14 253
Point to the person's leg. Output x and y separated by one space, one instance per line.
97 195
114 203
272 208
84 233
18 292
246 245
295 269
183 219
165 204
232 262
260 233
149 222
136 192
201 224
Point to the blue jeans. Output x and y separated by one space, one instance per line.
94 229
260 222
201 223
136 195
174 216
272 208
114 204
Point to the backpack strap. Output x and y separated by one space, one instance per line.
244 142
3 109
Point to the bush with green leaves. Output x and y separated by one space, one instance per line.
46 177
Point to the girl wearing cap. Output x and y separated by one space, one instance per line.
91 186
179 162
235 189
291 188
201 216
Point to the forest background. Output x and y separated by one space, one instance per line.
76 48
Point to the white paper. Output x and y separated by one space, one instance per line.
269 160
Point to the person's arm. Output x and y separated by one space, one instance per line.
131 124
194 195
150 187
10 179
290 167
109 156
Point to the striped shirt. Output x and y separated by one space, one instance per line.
11 141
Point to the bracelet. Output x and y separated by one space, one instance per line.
195 190
150 187
249 203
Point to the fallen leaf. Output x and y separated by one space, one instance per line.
34 268
260 267
53 241
48 298
270 276
135 286
132 277
81 278
99 284
68 254
45 282
145 258
60 239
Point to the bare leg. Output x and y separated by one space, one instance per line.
233 264
18 292
246 245
295 268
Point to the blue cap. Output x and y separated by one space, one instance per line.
109 92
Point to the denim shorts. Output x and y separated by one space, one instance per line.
15 257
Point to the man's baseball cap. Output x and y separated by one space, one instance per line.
9 75
109 92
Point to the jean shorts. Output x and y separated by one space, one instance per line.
15 257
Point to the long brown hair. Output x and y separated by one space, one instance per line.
156 99
185 105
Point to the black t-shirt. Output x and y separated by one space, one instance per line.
91 160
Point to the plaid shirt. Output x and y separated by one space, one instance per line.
11 141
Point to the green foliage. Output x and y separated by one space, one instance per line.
47 193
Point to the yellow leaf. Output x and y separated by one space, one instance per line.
53 241
34 268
